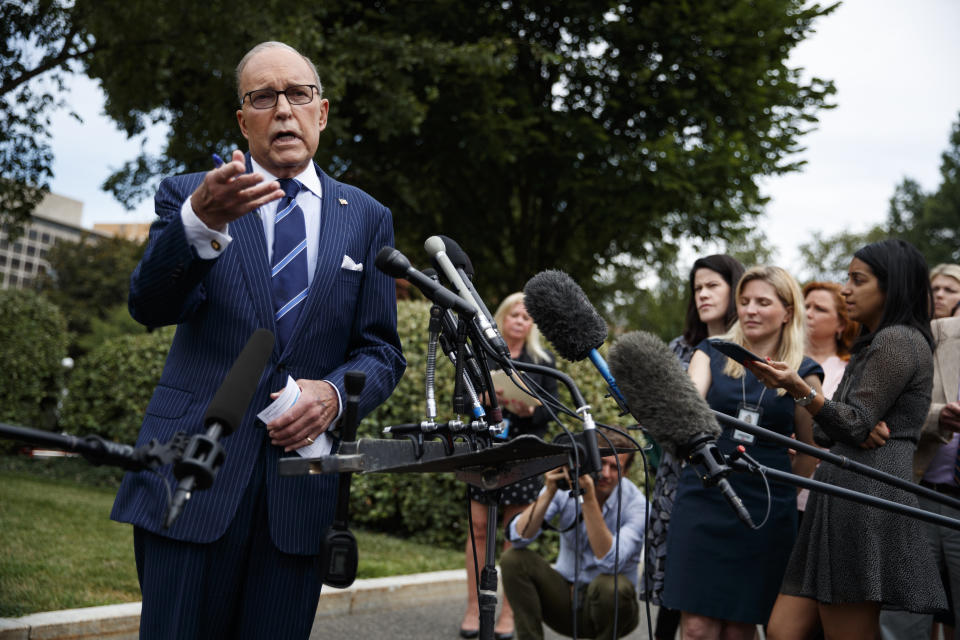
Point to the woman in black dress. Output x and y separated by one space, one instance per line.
723 576
521 418
850 559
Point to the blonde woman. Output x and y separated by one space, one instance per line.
945 283
723 576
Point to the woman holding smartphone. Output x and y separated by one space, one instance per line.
722 575
851 559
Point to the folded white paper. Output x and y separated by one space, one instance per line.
288 398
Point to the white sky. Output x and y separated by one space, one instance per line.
896 64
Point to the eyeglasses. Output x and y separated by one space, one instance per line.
267 98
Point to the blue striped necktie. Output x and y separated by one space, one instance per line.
288 272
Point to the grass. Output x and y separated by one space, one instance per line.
60 550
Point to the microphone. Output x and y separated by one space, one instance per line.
396 265
665 402
464 267
448 333
204 455
563 314
437 250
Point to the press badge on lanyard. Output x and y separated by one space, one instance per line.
749 413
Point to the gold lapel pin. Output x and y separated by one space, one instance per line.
342 201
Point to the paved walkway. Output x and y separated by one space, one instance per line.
425 606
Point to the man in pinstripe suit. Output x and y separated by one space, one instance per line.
238 563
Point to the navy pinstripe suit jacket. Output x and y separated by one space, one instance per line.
348 323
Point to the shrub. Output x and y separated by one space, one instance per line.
33 343
111 386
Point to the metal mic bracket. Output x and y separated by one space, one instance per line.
709 460
202 459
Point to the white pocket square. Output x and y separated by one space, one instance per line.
348 263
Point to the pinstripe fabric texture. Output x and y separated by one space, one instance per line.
348 322
202 592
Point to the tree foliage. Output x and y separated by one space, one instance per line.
826 258
42 43
931 221
88 279
537 134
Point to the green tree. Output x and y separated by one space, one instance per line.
538 134
931 220
826 258
88 279
42 43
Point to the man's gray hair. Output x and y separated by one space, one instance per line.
272 44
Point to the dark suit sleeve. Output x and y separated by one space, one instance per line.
374 344
165 287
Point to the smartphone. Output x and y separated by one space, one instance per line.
735 351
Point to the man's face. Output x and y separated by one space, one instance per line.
608 478
283 138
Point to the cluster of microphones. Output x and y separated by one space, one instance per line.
644 377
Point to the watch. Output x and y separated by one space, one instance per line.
807 399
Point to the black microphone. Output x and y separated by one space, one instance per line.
563 314
665 402
204 455
396 265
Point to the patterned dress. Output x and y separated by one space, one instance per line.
849 552
661 504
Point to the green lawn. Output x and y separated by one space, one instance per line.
60 550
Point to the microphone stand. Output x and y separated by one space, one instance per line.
100 451
487 589
841 461
740 461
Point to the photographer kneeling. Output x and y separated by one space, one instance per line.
544 594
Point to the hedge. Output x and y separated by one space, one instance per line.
33 343
112 385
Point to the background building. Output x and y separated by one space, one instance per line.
55 218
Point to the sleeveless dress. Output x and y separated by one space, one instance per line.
719 567
849 552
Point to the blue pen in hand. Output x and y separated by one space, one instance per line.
217 161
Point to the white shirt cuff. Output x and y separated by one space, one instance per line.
208 242
339 403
